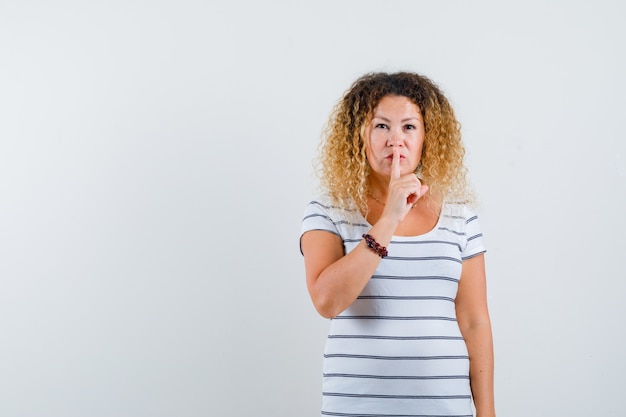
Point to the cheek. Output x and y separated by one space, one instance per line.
377 143
419 144
377 137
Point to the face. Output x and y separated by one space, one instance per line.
396 122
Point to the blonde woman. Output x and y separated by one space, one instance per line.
394 256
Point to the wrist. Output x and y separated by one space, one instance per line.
371 243
383 230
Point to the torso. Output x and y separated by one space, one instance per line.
398 349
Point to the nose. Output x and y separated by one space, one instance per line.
394 139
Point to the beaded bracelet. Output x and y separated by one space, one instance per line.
375 246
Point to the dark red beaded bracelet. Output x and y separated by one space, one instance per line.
375 246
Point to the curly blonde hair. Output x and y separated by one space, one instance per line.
343 166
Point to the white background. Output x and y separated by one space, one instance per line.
156 158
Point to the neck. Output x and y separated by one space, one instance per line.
378 187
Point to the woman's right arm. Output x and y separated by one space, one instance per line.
335 280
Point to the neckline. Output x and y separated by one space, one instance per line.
409 237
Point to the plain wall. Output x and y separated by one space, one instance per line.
156 159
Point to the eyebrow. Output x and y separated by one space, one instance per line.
402 121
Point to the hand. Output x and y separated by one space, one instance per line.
403 192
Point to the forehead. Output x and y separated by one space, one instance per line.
393 104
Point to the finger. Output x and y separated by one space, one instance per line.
412 199
395 164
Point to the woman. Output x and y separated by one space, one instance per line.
394 257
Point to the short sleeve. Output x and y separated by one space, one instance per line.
475 244
317 217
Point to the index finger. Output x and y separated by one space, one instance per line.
395 164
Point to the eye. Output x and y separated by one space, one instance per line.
381 126
409 127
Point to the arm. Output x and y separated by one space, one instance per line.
473 318
335 279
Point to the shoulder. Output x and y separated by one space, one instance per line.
458 212
320 207
323 206
322 214
460 220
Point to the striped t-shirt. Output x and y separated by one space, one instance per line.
397 350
